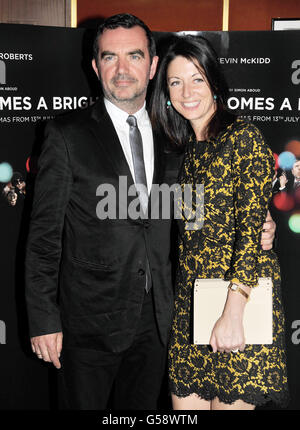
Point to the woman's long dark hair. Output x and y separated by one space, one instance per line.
198 50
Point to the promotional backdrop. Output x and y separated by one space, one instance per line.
42 72
45 71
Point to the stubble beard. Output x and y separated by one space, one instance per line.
130 104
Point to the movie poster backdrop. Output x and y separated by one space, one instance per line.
42 73
45 71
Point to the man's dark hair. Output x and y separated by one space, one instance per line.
16 177
178 129
124 20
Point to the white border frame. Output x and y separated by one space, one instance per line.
285 24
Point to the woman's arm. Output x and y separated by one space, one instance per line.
253 166
252 169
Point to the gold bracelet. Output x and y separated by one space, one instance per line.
235 287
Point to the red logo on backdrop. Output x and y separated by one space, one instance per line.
31 165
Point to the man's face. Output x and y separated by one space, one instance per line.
124 67
296 169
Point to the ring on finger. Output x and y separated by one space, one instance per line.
235 350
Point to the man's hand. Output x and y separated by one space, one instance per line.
283 180
48 347
268 233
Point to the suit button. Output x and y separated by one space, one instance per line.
141 272
146 223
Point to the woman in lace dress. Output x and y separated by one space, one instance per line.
229 156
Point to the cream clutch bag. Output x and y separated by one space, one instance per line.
209 300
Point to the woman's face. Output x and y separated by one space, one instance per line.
189 92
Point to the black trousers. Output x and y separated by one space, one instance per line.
132 378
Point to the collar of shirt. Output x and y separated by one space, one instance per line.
119 116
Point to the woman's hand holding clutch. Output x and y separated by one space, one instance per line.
228 332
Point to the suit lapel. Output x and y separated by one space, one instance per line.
158 158
107 137
158 169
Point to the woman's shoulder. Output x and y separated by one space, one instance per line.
242 130
246 138
242 127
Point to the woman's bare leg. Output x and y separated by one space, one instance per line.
238 405
192 402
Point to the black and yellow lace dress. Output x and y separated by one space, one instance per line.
236 170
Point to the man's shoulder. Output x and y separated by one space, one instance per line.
80 117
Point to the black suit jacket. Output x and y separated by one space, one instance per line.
96 267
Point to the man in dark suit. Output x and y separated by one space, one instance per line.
288 185
296 174
102 287
294 184
113 275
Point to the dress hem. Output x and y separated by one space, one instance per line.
281 400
